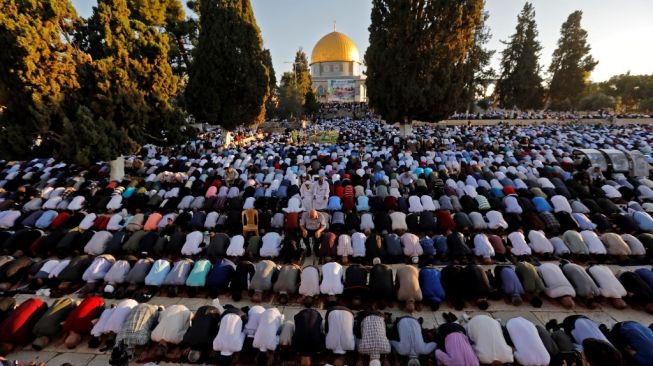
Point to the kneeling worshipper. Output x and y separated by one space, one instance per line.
468 283
580 328
635 342
96 272
609 285
264 273
177 276
154 279
487 340
332 274
80 321
355 286
639 292
339 329
240 279
431 286
408 290
266 338
381 283
218 278
111 322
16 328
601 353
557 285
231 334
529 348
531 281
252 320
70 277
138 326
584 286
410 341
309 283
372 332
197 277
173 324
50 325
287 282
506 279
454 348
309 337
203 328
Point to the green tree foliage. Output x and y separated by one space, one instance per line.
572 63
38 72
311 104
272 98
129 82
629 89
478 72
417 57
290 99
520 83
596 101
302 73
228 81
646 105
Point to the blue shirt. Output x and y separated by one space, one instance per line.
510 284
158 273
197 277
440 244
427 246
429 281
644 221
640 338
542 205
219 276
362 204
45 220
334 204
646 275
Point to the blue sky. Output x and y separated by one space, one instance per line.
619 31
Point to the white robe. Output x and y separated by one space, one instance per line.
529 349
266 337
306 192
332 273
340 337
320 195
173 324
230 336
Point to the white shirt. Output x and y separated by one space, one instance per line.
87 221
98 242
8 218
192 244
512 205
610 191
340 337
539 242
253 316
117 273
112 320
271 245
236 246
76 203
366 222
488 341
332 273
266 337
635 245
344 246
115 202
230 336
557 285
98 268
594 244
60 267
560 204
174 321
428 204
410 243
114 222
518 242
482 246
398 221
495 220
607 282
358 244
48 266
309 284
211 219
415 204
529 349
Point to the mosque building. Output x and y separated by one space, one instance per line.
336 70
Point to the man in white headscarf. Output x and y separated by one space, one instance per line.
320 194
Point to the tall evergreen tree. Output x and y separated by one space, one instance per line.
38 73
129 83
270 102
520 83
478 72
228 81
290 99
302 73
571 65
417 55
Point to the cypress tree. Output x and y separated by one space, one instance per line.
571 64
228 81
38 73
417 55
270 102
520 83
478 72
302 74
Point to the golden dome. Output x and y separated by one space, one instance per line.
335 47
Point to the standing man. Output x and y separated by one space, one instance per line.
320 194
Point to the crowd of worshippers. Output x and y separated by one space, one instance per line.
207 220
263 336
543 115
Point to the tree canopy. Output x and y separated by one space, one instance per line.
417 56
520 82
571 65
228 80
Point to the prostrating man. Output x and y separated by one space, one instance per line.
339 331
372 332
454 348
231 334
309 337
411 342
80 321
408 290
488 341
200 334
138 326
50 324
16 329
529 348
557 285
173 324
110 323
